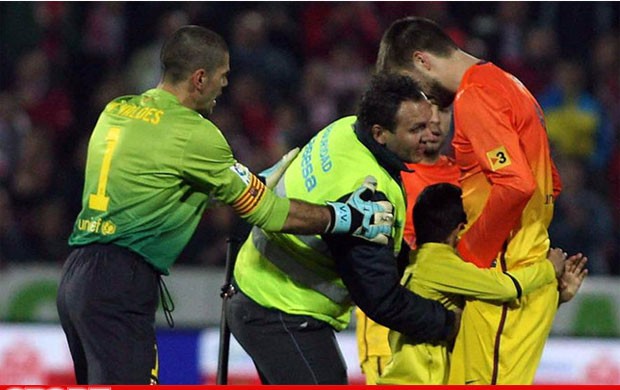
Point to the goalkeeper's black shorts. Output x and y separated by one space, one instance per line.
107 301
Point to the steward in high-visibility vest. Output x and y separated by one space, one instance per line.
318 279
291 266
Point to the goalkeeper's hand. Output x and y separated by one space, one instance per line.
272 175
363 217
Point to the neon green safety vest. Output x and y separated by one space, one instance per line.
295 273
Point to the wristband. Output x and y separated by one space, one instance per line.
340 218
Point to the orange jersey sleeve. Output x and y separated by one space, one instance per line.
444 170
502 149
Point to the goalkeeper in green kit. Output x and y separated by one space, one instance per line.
153 163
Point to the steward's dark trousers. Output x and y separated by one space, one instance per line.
107 301
286 349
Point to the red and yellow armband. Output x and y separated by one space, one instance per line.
261 207
250 198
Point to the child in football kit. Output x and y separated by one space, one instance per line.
436 271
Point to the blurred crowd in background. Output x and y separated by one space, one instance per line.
295 67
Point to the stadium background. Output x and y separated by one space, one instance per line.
295 67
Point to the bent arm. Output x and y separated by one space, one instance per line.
486 124
370 274
454 276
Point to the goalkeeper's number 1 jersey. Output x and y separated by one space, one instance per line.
152 165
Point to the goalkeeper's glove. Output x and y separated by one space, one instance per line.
363 217
272 175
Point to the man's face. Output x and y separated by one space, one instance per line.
412 126
440 127
215 83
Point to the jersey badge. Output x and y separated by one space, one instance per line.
498 158
243 172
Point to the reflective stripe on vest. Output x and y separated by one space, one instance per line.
313 242
296 270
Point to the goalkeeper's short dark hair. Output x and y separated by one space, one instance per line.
437 212
190 48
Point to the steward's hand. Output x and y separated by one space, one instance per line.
273 174
363 217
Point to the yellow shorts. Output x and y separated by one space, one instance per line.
372 346
503 343
373 367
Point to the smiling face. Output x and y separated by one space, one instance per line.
412 127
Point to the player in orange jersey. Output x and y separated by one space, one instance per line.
435 167
509 184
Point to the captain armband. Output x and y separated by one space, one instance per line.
253 193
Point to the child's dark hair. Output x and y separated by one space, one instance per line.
437 212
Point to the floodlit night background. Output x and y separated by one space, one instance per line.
295 67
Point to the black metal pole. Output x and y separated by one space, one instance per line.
232 247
